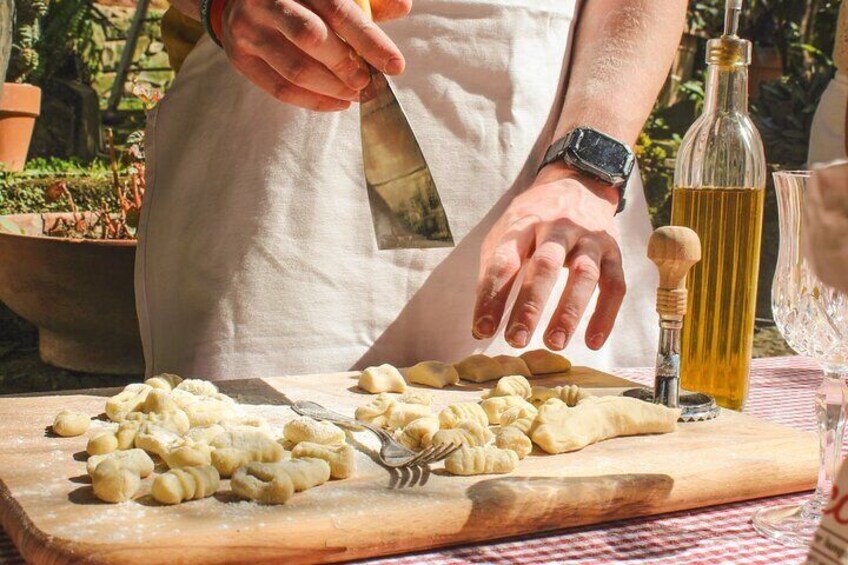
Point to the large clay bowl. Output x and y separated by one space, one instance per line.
79 293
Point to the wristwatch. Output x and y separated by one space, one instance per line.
594 154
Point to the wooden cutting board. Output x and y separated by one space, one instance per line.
50 513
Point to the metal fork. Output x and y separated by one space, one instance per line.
392 454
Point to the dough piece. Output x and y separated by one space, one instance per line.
541 394
69 423
385 378
544 362
495 407
156 439
274 483
511 437
127 430
206 434
128 400
175 420
416 397
560 428
189 454
133 460
376 412
111 482
164 381
571 394
467 432
303 428
340 458
209 410
102 443
189 483
451 416
513 365
160 407
403 414
481 460
479 368
433 374
512 385
235 449
520 418
419 434
197 387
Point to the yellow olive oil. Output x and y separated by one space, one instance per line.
722 289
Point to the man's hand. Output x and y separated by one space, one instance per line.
311 53
564 219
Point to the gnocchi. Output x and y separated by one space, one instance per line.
467 432
384 378
479 368
340 458
512 385
452 415
189 483
69 423
481 460
544 362
303 428
434 374
495 407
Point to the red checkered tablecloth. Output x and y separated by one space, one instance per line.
782 390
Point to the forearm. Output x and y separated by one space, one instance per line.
190 8
623 51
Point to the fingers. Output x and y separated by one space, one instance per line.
310 34
383 10
498 270
299 69
584 270
353 25
266 78
612 290
543 270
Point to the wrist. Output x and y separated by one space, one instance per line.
560 171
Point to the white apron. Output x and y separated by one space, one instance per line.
827 134
257 253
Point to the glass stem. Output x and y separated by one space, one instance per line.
830 416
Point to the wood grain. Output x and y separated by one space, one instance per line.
48 509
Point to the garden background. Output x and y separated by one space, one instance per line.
72 49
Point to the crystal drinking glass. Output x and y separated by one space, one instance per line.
808 315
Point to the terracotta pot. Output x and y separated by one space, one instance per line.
79 293
20 104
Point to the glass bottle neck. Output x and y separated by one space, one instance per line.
727 90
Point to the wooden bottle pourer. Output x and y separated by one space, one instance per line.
674 250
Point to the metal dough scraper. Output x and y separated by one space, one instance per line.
405 205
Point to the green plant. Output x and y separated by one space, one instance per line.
26 34
654 151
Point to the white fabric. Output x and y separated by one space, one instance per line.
827 135
257 254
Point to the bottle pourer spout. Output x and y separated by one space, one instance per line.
732 12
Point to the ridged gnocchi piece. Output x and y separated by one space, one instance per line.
479 368
340 458
544 362
402 414
481 460
189 454
416 397
70 423
303 428
376 412
452 415
467 432
101 443
189 483
164 381
383 378
511 437
274 483
113 483
419 433
571 394
560 428
495 407
128 400
234 449
513 365
134 460
434 374
520 418
176 420
511 385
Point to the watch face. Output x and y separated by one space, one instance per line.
603 153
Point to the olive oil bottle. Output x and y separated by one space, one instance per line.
719 188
